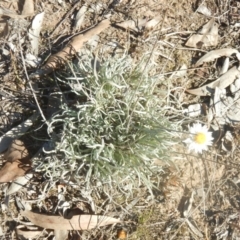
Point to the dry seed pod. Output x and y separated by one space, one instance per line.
121 234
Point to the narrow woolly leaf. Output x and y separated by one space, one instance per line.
225 66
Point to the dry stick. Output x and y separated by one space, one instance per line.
59 59
30 85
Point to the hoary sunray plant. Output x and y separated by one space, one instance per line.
200 138
113 125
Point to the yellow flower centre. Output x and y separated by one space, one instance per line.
200 138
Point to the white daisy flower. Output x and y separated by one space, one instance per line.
200 138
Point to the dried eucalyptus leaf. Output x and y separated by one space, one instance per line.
78 222
209 28
225 66
12 170
207 36
212 55
152 23
204 10
222 82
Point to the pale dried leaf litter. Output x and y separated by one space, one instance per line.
34 32
80 17
28 7
31 60
27 232
207 36
60 234
222 109
228 142
140 24
187 215
18 183
222 82
212 55
204 10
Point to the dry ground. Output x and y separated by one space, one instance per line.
197 197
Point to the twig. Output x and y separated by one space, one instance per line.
29 82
